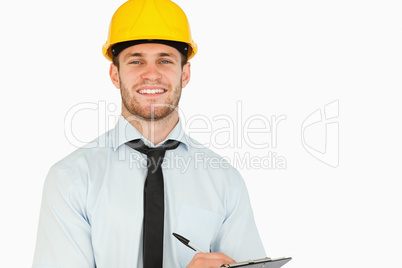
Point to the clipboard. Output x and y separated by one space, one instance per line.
260 263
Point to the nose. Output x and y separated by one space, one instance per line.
151 73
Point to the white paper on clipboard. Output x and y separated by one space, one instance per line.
260 263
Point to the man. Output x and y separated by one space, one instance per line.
101 206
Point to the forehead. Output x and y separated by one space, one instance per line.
149 50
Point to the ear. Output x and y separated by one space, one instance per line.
114 75
186 73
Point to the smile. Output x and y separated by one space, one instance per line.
151 91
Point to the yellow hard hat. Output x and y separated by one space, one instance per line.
149 20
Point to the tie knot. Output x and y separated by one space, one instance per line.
139 145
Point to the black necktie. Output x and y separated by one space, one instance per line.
153 202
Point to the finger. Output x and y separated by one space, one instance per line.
210 260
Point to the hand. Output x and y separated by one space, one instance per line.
209 260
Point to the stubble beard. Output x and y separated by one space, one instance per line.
151 112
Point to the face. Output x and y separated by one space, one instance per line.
150 78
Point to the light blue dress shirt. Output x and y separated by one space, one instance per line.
92 206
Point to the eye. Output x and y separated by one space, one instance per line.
166 61
135 62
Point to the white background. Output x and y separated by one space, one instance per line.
276 57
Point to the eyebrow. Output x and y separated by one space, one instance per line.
162 54
132 55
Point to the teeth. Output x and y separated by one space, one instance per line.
151 91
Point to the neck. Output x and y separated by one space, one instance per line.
153 130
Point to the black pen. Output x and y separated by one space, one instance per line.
187 242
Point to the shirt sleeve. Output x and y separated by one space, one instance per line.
238 237
64 234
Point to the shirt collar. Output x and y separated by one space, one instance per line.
124 132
